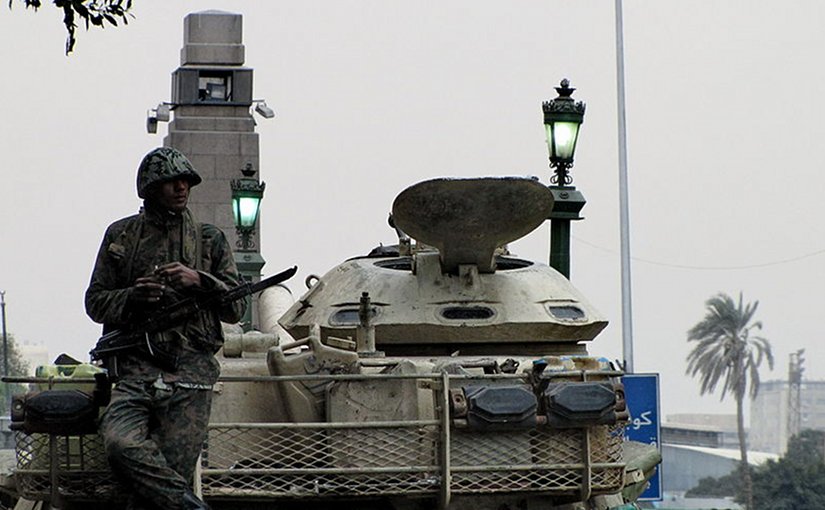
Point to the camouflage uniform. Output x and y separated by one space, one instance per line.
155 425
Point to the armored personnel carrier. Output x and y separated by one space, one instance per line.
438 372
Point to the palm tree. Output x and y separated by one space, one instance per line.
726 351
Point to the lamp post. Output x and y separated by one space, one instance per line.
795 370
562 118
5 343
247 193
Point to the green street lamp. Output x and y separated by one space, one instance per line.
246 203
247 193
562 118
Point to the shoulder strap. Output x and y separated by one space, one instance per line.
135 240
199 247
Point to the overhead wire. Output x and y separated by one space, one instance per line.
708 268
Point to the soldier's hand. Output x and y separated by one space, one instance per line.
147 290
179 276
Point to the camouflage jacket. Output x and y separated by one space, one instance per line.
133 247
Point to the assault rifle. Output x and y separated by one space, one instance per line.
137 338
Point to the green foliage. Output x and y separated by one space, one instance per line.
726 349
723 487
794 482
797 480
96 13
807 448
17 367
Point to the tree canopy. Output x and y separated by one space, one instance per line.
794 482
727 351
96 13
17 367
727 486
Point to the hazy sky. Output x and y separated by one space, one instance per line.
724 109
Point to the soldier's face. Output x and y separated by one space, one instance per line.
172 195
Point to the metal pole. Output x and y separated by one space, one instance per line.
560 246
624 214
5 344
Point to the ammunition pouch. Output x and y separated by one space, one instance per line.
62 412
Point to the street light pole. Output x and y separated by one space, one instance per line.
567 203
247 193
562 118
5 343
624 212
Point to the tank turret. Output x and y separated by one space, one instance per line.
456 288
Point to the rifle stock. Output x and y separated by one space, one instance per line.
137 338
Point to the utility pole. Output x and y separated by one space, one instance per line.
624 210
794 393
5 344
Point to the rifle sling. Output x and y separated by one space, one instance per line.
144 348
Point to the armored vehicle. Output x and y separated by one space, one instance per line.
437 372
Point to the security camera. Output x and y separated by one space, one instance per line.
151 122
264 111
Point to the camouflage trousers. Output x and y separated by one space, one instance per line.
153 434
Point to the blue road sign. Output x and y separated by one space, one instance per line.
642 396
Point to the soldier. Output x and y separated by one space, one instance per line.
155 425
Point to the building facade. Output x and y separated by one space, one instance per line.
770 412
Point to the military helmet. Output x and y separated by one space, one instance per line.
164 164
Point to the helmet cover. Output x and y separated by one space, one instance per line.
164 164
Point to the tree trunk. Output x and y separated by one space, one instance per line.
747 484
